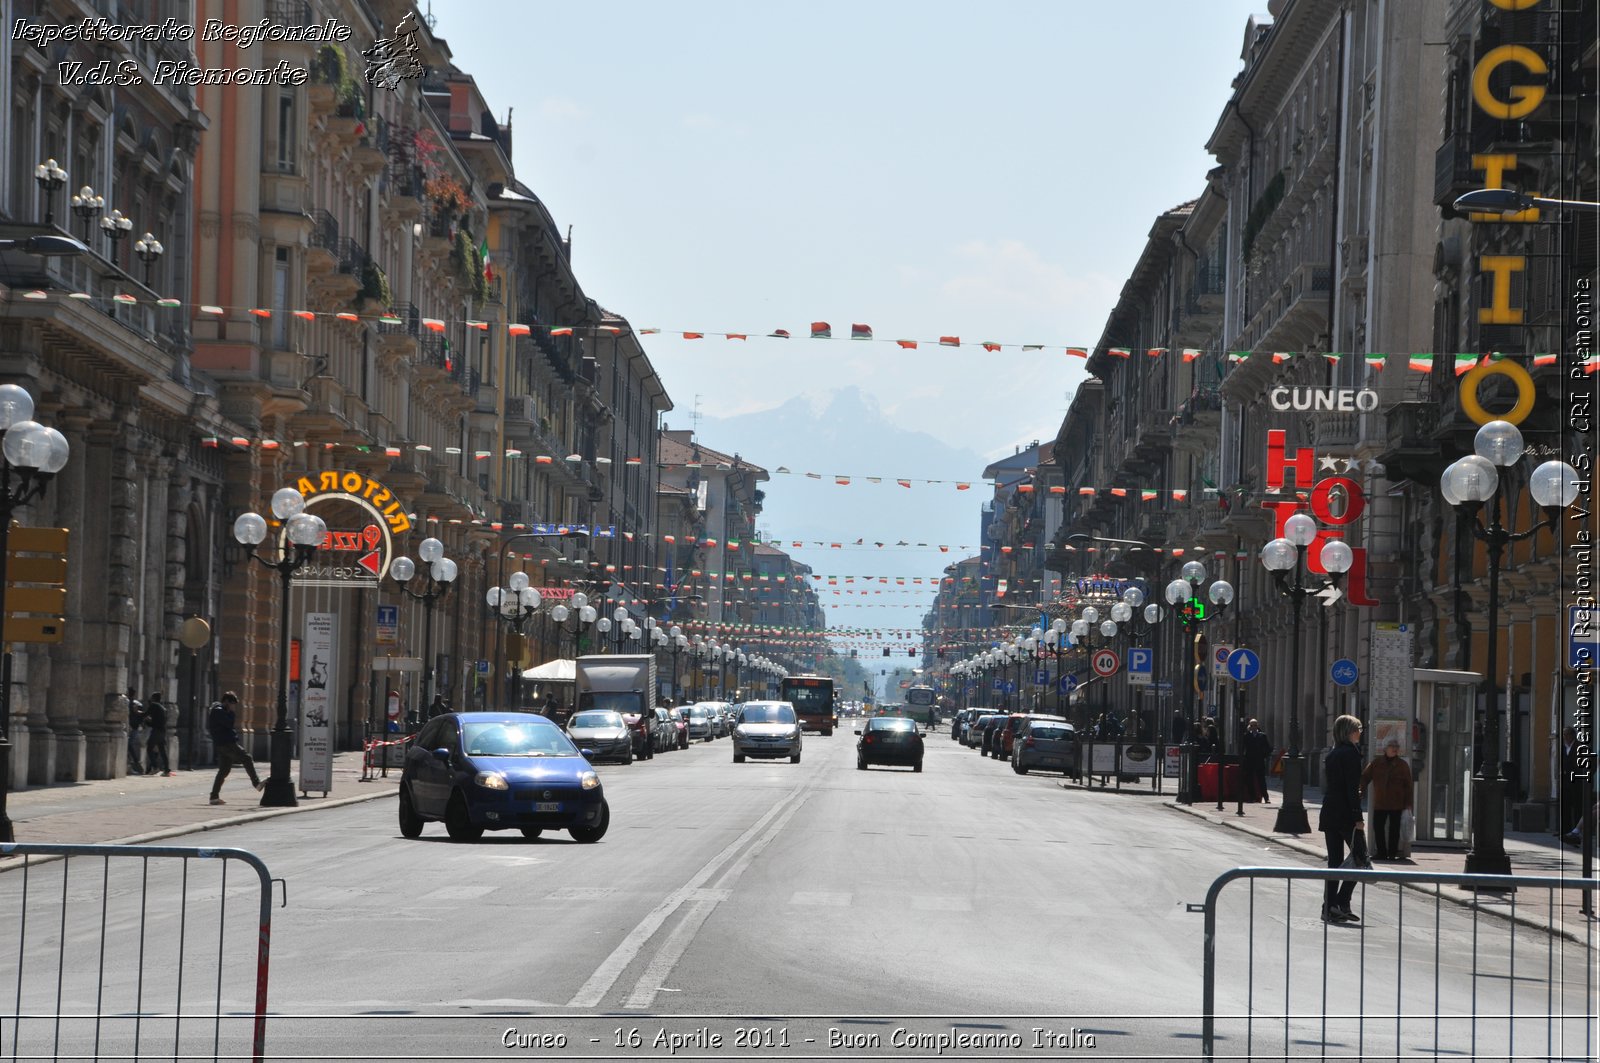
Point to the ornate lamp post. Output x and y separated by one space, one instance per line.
149 250
32 455
677 643
1056 641
441 574
1183 595
620 622
581 612
515 604
1083 632
50 177
85 204
116 227
1467 484
1282 557
305 532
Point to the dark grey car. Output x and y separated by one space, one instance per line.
604 732
1048 745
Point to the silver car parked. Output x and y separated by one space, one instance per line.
766 729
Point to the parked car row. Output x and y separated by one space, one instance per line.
1029 741
624 737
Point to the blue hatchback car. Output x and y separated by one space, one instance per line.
479 771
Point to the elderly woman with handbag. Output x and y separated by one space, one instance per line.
1389 776
1340 820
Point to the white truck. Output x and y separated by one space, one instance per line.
625 683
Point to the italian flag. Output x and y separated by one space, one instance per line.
1279 357
991 346
1156 352
1465 362
821 330
1180 494
909 345
304 315
861 332
737 335
1119 352
563 331
1057 489
1375 361
1077 352
1087 492
519 330
1190 354
1148 496
1543 360
949 341
1332 357
1420 363
691 335
903 483
433 324
1235 357
1119 492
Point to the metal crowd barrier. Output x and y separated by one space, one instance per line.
110 942
1419 977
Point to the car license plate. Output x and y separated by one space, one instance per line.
547 806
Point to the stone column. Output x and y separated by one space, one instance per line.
176 551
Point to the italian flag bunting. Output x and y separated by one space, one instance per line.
1156 352
1119 352
1543 360
949 341
1235 357
1465 362
1077 352
1190 354
821 330
1375 361
1332 357
861 332
909 345
1420 363
1148 496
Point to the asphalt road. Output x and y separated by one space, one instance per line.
759 909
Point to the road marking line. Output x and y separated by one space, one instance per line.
592 992
705 901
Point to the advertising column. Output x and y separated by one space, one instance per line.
316 704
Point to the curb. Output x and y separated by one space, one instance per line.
1460 897
12 863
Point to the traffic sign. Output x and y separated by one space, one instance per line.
1219 660
388 625
1583 637
1344 672
999 684
1141 662
1067 684
1106 663
1041 677
1243 665
36 576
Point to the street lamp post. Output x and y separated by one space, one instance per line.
305 532
1467 484
678 643
116 226
1183 595
582 613
50 177
1056 639
149 250
30 457
514 604
441 574
1281 557
1510 201
86 204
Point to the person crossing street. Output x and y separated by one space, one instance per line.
220 723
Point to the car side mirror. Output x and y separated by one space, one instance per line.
588 754
442 754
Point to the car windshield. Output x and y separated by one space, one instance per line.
766 714
515 740
891 724
615 700
596 719
699 712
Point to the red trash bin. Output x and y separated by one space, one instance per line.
1208 782
1232 782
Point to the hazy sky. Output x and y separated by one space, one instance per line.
989 171
986 170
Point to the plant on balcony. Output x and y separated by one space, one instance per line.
449 195
1270 198
374 284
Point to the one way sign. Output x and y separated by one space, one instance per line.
1329 594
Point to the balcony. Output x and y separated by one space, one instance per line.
323 254
1336 432
1291 315
1199 423
1452 170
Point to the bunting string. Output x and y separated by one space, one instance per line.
1423 362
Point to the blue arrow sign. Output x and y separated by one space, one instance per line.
1067 684
1243 665
1344 672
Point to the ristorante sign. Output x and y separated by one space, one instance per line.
363 517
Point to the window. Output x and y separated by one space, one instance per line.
280 299
286 132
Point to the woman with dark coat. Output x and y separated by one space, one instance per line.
1341 813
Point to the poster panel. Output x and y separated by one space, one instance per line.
316 703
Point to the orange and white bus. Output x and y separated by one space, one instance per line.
812 698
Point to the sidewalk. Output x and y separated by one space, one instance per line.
147 808
1530 854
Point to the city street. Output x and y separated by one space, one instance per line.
810 900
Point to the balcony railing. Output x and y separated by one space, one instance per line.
324 232
410 322
352 256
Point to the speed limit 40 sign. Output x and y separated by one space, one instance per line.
1105 663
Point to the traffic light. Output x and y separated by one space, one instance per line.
36 576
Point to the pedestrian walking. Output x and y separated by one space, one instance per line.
1389 777
155 715
1257 751
136 734
220 723
1180 727
438 708
1341 819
